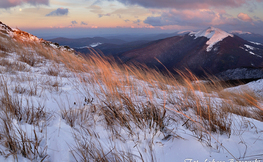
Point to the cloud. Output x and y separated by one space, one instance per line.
187 4
101 15
13 3
184 18
131 10
74 22
244 17
256 17
198 18
236 24
95 9
83 23
137 21
59 12
201 19
156 21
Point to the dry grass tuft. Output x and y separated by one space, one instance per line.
12 114
13 107
75 116
16 141
89 148
6 43
12 66
53 70
30 59
243 98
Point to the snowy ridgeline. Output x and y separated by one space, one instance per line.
93 45
27 37
214 36
60 115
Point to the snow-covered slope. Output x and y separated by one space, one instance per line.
214 35
5 28
68 109
12 32
27 37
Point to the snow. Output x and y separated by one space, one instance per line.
53 45
255 86
184 32
67 92
249 47
95 44
60 139
83 47
252 53
256 43
214 35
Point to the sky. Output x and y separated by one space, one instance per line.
81 18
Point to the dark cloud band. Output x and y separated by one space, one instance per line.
59 12
83 23
182 18
186 4
13 3
74 22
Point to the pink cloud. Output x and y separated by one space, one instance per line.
184 18
244 17
202 18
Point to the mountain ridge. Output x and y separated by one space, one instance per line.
257 38
211 51
214 35
198 54
25 36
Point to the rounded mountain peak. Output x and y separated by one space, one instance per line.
213 34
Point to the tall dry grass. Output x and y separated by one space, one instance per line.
132 97
121 85
14 139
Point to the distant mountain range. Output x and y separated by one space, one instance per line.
114 45
111 45
249 36
84 42
211 51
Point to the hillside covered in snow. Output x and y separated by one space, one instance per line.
59 106
214 36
